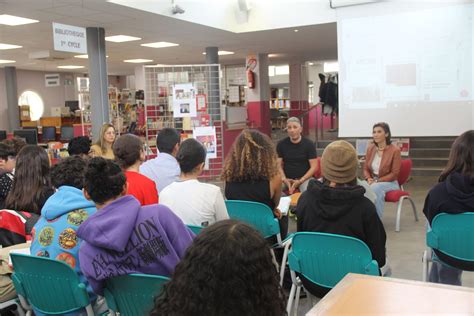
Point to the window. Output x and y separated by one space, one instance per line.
35 102
282 70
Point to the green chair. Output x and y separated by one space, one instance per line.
325 259
256 214
195 229
133 294
451 235
48 286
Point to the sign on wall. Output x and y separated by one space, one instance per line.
68 38
52 80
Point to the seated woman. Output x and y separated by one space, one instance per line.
453 194
251 173
296 157
196 203
103 145
123 237
382 165
227 270
54 235
129 154
338 206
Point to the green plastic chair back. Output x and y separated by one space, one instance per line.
195 229
256 214
50 286
453 235
133 294
325 259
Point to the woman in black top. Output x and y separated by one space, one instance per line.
251 173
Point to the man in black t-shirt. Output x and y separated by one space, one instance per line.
296 157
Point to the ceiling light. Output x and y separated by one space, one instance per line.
272 55
296 31
9 46
85 56
310 63
159 44
222 52
12 20
138 61
121 38
4 61
70 67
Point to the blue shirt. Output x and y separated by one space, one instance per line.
164 170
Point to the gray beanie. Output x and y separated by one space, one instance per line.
339 162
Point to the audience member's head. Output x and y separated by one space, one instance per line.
227 270
339 163
16 143
7 158
252 157
381 133
31 180
107 136
167 141
461 157
128 150
104 181
294 128
79 146
70 172
191 156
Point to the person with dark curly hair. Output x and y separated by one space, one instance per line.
9 149
203 204
251 172
55 234
129 154
79 146
123 237
227 270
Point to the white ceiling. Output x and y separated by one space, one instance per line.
316 42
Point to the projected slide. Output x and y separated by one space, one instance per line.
415 65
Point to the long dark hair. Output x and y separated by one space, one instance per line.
227 270
31 180
386 129
461 156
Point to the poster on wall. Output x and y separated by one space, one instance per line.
207 137
403 144
201 101
184 100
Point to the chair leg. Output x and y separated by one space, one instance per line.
413 206
399 211
20 310
426 264
291 297
283 263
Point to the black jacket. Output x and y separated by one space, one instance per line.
454 195
344 211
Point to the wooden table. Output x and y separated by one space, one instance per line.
370 295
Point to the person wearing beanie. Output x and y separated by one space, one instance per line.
337 205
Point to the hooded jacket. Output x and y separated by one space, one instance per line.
455 195
344 211
124 238
55 234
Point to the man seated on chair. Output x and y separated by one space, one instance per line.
123 237
55 233
338 206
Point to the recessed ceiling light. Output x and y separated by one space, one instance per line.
9 46
85 56
310 63
296 31
70 67
222 52
159 44
5 61
121 38
12 20
138 61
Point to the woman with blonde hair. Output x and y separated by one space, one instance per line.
251 173
103 145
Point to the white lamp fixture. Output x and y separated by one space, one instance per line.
6 61
121 38
159 44
70 67
138 61
12 20
222 52
9 46
85 56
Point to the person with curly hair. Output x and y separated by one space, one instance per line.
251 173
79 146
9 149
204 203
227 270
123 237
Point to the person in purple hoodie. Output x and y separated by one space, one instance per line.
123 237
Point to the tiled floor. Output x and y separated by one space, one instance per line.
405 249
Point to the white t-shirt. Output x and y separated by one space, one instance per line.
376 164
196 203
